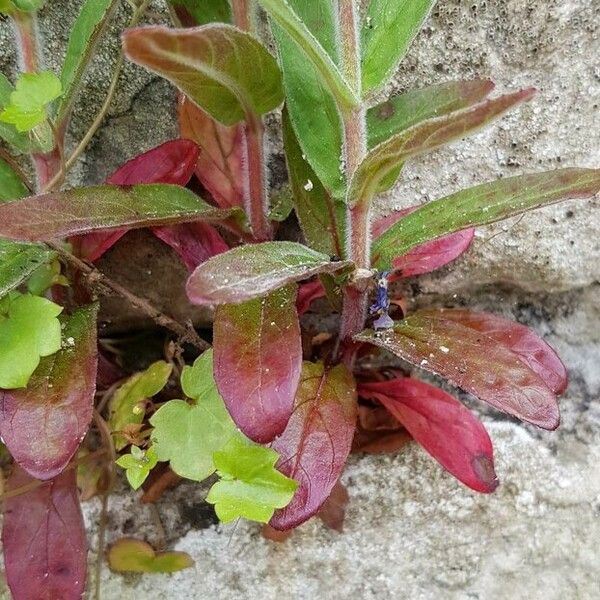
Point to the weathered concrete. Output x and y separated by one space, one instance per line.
411 531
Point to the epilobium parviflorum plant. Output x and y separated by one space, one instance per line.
267 409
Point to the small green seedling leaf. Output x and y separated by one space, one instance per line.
18 262
128 403
134 556
187 435
44 277
29 329
250 485
27 107
138 465
11 186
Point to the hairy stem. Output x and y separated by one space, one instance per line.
355 149
255 186
186 332
110 94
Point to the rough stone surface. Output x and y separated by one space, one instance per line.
412 532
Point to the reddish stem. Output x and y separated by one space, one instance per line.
241 14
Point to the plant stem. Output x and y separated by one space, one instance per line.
186 332
110 94
255 187
355 149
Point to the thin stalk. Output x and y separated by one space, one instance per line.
355 149
255 176
110 94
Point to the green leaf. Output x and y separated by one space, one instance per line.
86 31
319 132
321 217
288 20
27 107
281 204
100 207
134 556
250 486
138 465
45 276
254 270
18 262
29 329
188 434
405 110
424 137
11 186
387 33
29 5
127 404
225 71
192 12
482 205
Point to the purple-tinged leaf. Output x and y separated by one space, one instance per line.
307 293
482 205
255 270
194 242
424 137
44 542
172 162
473 361
315 445
405 110
101 207
428 256
451 433
43 424
258 361
220 165
523 341
225 71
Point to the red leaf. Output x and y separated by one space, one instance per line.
44 539
316 442
43 424
258 361
307 293
194 242
531 348
220 165
333 511
426 257
171 162
473 361
443 426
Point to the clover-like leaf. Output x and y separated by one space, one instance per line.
250 485
442 425
187 435
43 536
33 92
473 361
258 360
29 329
481 205
44 423
316 443
255 270
135 556
101 207
127 404
138 465
225 71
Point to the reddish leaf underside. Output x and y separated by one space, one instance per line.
171 162
220 164
523 341
258 361
44 539
443 426
42 425
307 293
473 361
333 511
316 442
426 257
